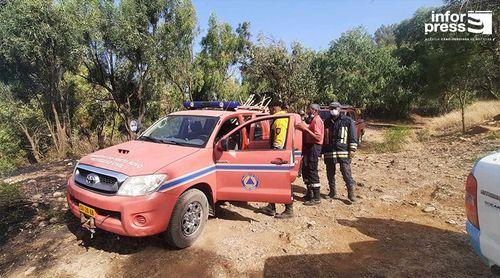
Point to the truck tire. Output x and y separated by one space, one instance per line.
495 270
188 219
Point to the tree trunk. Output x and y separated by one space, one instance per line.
463 116
112 130
35 151
61 140
462 97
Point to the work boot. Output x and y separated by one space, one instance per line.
270 209
316 197
350 194
317 194
332 194
288 213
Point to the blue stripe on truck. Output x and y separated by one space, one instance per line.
223 167
474 234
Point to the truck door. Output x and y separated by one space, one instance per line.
297 150
252 171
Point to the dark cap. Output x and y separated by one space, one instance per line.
334 105
275 103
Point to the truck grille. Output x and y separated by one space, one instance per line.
98 179
103 178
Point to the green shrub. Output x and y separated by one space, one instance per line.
395 139
12 154
9 193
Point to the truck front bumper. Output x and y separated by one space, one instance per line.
124 215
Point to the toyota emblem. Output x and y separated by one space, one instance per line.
92 178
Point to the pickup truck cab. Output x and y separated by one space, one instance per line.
169 178
482 202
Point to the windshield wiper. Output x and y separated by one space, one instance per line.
172 142
149 139
162 141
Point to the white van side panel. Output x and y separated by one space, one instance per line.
487 173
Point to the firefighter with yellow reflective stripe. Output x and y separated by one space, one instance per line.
339 147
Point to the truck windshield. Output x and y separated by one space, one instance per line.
182 130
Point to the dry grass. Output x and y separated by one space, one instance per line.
475 113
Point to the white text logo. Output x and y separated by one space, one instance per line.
477 22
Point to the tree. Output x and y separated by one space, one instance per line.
175 54
486 52
38 47
133 48
274 71
356 71
451 72
384 35
21 119
222 49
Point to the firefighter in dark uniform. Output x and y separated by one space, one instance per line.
311 151
340 145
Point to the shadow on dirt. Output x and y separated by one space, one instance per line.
13 217
190 262
41 255
227 214
398 249
151 256
110 242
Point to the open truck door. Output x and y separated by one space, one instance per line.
248 169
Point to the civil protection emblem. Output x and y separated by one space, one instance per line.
250 182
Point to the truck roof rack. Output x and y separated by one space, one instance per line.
250 104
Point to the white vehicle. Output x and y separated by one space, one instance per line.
482 203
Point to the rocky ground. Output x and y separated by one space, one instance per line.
409 221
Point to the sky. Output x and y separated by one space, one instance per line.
314 23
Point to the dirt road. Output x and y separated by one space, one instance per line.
386 233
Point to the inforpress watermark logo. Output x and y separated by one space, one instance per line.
480 22
476 22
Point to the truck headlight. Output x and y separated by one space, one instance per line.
141 185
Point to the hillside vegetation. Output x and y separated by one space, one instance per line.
73 73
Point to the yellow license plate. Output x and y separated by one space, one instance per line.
87 210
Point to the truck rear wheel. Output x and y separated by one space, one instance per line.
188 219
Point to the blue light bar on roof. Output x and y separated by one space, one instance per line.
211 104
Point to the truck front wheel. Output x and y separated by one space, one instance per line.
188 219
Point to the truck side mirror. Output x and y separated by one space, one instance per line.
134 126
